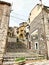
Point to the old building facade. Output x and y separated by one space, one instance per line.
22 31
39 34
15 31
10 32
4 22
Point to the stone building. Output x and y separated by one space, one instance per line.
5 9
12 35
21 30
15 31
10 32
23 24
39 29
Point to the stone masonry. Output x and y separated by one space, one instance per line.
4 22
37 24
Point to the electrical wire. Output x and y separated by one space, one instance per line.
18 18
17 14
13 16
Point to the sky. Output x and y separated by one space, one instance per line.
21 9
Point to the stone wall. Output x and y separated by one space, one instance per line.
12 39
4 22
37 24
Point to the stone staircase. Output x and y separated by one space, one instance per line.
16 47
9 58
16 50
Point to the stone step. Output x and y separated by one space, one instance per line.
16 47
26 55
9 58
12 61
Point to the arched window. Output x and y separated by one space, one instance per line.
36 45
21 35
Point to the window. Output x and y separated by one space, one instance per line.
21 30
21 35
36 45
17 32
29 20
28 27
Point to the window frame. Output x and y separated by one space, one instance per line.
36 46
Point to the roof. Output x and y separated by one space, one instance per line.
45 7
23 23
3 2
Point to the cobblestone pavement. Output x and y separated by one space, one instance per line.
43 62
